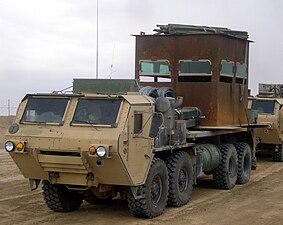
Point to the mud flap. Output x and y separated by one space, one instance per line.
33 184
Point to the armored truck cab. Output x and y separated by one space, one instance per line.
268 105
270 113
65 138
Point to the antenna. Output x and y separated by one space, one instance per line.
112 63
96 39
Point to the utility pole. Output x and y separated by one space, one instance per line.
9 108
96 39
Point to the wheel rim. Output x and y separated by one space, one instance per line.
183 180
156 189
232 167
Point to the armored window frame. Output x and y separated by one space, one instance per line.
268 107
138 122
54 116
194 76
191 70
241 73
165 72
102 122
227 71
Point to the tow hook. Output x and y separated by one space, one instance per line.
53 176
90 180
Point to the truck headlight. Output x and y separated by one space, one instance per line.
9 146
101 151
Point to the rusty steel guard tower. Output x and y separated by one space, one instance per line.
208 66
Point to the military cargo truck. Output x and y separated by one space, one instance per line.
268 104
148 141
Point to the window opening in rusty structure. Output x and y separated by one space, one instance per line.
195 71
154 68
241 73
227 71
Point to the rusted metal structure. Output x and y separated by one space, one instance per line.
208 67
270 91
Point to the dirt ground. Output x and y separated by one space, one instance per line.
258 202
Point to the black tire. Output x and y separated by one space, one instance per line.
91 198
244 162
277 153
180 171
153 194
59 198
225 174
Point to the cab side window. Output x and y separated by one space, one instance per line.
138 121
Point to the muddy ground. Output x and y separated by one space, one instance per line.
258 202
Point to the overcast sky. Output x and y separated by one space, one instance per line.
44 44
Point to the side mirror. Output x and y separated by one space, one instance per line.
156 123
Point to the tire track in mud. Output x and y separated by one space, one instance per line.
236 202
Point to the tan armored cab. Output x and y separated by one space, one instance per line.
65 135
268 104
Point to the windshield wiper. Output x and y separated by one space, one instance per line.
43 122
84 122
34 121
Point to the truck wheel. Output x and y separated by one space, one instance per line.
225 174
180 171
59 198
152 197
277 153
244 162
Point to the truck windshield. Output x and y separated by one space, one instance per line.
263 106
45 110
97 111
